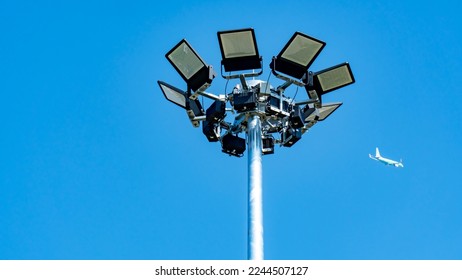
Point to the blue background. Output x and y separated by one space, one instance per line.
96 164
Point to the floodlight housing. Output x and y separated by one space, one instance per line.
181 98
291 136
211 130
267 145
233 145
239 50
216 112
332 78
273 106
245 101
297 55
296 118
196 73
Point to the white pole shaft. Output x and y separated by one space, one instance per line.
255 207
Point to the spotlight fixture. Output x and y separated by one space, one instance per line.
331 79
233 145
274 106
297 55
173 94
290 136
190 66
216 112
268 145
327 109
177 96
296 118
245 100
211 130
239 50
320 114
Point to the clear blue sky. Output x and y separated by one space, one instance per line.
96 164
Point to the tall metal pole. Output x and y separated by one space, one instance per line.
255 207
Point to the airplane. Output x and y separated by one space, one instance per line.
385 161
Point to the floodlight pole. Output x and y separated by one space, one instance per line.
255 207
255 102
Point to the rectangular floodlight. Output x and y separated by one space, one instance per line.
297 55
333 78
239 50
173 94
189 65
327 109
177 96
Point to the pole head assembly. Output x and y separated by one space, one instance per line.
283 119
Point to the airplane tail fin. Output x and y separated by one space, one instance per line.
377 153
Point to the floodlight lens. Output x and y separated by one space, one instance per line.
302 50
238 44
327 109
173 94
297 56
239 50
335 78
185 60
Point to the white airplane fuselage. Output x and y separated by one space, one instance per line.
385 161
